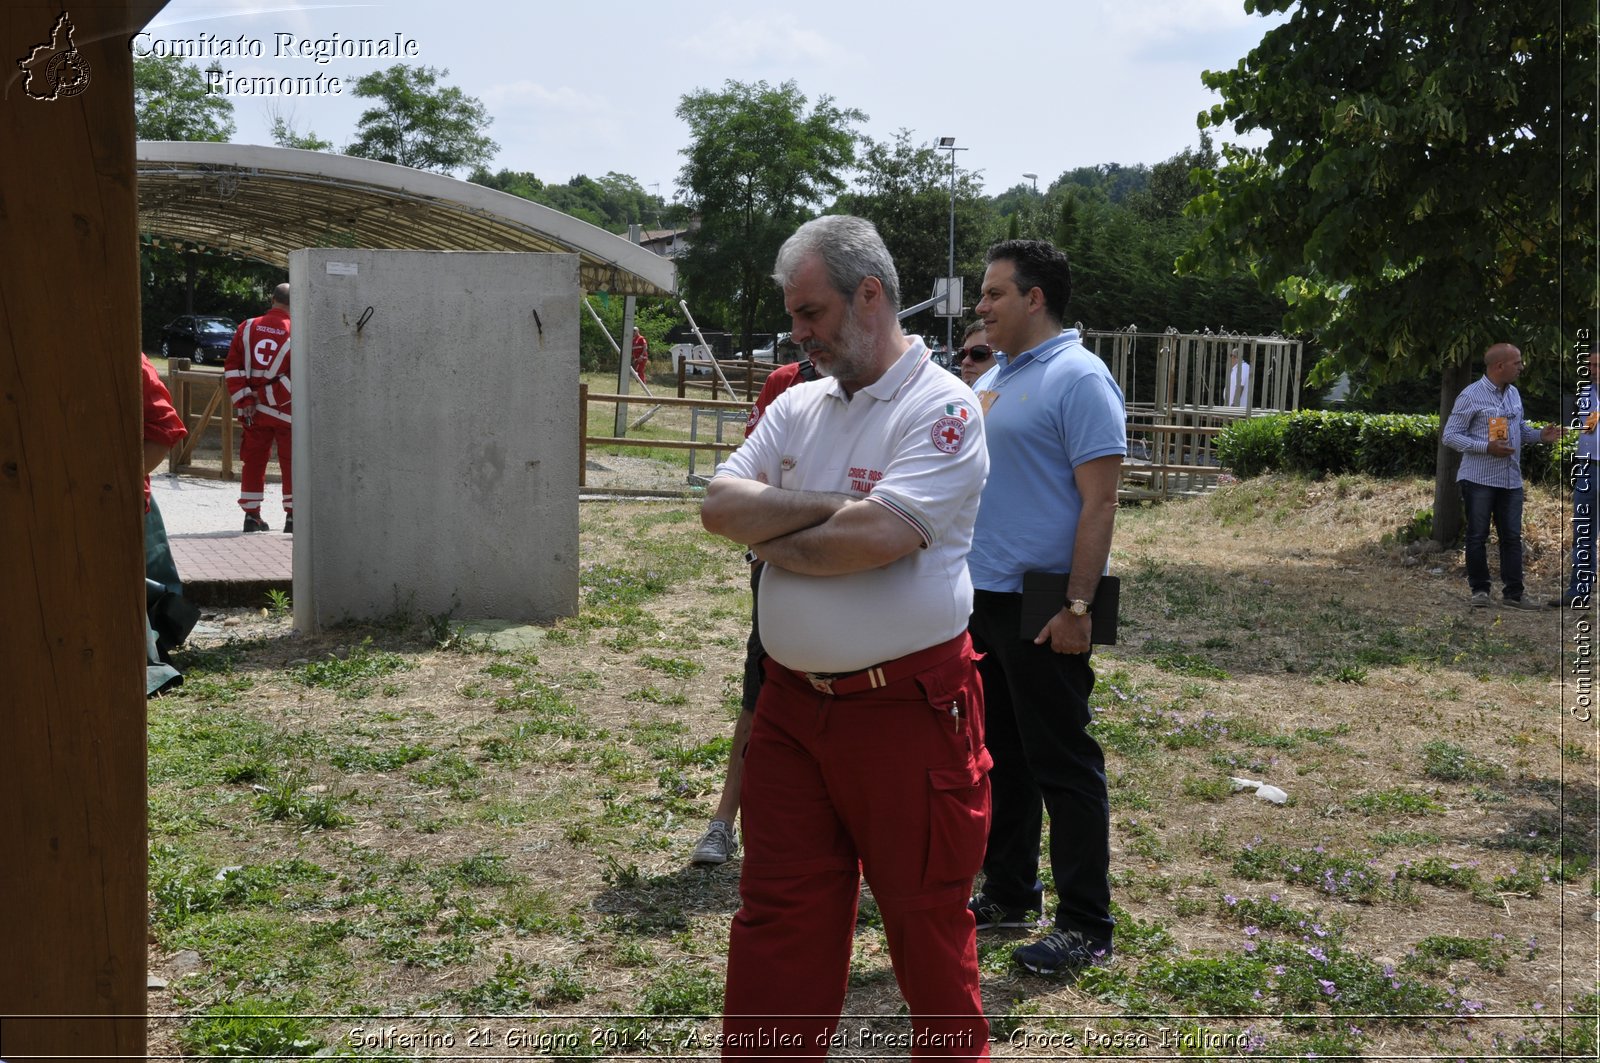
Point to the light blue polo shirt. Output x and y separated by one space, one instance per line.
1053 408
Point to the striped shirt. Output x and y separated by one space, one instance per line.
1467 431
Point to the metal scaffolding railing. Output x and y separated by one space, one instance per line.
1176 386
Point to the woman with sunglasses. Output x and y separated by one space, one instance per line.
975 356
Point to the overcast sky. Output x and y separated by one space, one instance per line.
585 88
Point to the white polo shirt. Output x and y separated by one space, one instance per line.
912 441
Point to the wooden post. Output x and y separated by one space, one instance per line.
72 982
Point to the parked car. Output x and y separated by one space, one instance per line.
203 340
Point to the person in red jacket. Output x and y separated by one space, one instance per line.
163 428
169 617
256 375
720 842
641 353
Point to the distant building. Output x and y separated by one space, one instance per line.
1339 394
668 243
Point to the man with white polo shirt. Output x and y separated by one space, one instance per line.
1056 428
858 493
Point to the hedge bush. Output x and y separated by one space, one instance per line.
1252 446
1320 442
1398 444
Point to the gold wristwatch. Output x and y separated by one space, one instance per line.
1078 607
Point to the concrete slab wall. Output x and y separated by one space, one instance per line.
435 442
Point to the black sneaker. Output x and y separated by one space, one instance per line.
253 523
992 915
1063 952
288 524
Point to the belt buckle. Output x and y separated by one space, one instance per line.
821 683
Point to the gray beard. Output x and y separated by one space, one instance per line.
853 356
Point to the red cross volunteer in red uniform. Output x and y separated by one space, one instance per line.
859 493
256 375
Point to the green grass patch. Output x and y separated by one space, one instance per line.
248 1029
1175 657
1449 762
1348 877
351 676
1394 802
676 667
379 759
1435 954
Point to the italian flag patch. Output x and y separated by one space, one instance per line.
954 410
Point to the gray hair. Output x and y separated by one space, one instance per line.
851 251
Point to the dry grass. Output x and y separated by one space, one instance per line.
517 822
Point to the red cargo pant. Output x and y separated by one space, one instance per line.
255 447
891 783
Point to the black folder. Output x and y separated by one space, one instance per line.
1044 594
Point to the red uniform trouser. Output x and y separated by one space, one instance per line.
890 782
255 447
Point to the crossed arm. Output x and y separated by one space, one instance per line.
814 533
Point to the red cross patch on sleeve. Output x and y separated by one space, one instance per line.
948 432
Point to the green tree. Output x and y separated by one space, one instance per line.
758 165
1427 186
285 135
904 189
420 122
614 202
170 102
654 317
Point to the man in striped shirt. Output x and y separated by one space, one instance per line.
1488 428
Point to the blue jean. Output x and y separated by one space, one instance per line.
1585 480
1037 712
1504 506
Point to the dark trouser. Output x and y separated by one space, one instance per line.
754 653
1504 506
1585 480
1037 709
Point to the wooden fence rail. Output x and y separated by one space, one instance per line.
585 440
1179 459
190 388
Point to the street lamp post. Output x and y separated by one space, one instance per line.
949 144
1035 179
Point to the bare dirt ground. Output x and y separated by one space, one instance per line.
517 821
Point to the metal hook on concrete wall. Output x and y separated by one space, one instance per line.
366 315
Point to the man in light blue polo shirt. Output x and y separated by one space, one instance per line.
1055 423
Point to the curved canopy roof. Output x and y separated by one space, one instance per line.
263 202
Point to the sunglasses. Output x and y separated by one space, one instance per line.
981 353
